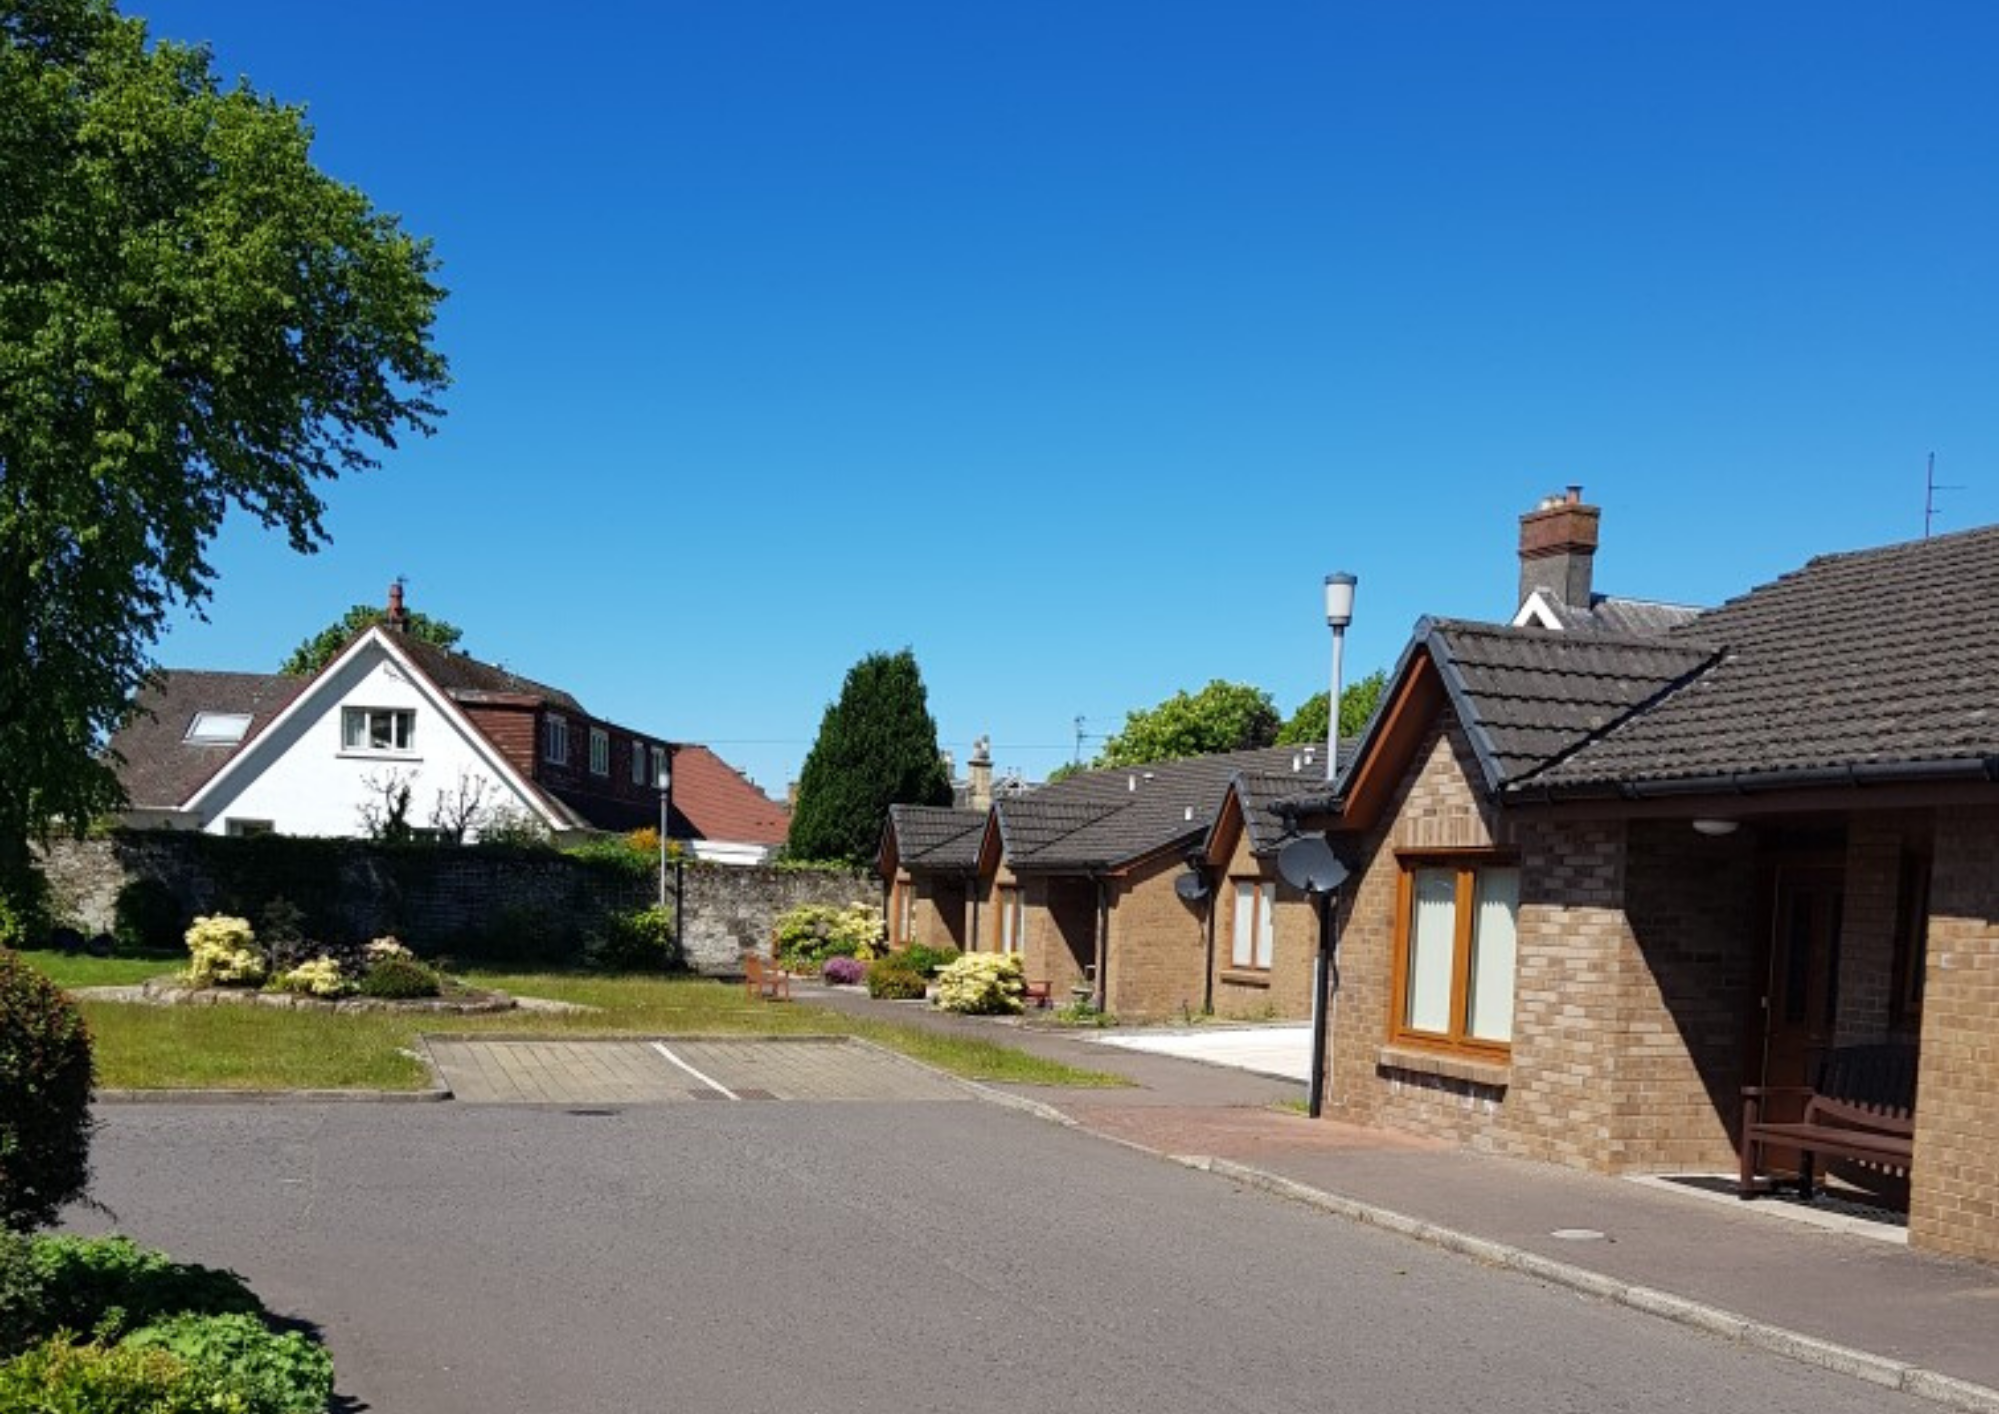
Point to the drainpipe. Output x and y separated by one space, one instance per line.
1208 972
972 892
1103 943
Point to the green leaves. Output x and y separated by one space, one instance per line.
1357 704
877 747
319 650
1224 716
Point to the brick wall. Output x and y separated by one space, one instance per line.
436 899
938 913
1286 989
1877 847
1158 946
1952 1177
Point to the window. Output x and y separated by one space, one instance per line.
1455 942
245 829
1251 947
555 739
638 762
1913 908
1013 921
659 763
217 728
600 752
907 925
378 729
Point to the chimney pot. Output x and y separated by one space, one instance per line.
979 774
1558 549
397 619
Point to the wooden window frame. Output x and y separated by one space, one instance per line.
1467 864
1257 884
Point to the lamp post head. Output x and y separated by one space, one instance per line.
663 777
1339 600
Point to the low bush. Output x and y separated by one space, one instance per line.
394 978
147 918
892 979
238 1355
22 1309
222 952
843 971
806 936
45 1079
110 1284
25 919
617 852
982 984
641 941
321 978
61 1377
929 960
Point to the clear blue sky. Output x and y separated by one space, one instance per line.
1072 345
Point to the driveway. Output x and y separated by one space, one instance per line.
1283 1051
860 1256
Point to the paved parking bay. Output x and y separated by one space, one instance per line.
1284 1051
630 1072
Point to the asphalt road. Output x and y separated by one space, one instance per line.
860 1257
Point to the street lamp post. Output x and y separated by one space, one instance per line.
1339 614
663 778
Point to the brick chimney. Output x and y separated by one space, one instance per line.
1558 544
396 620
979 775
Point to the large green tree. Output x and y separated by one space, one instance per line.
319 650
1224 716
1357 704
193 318
877 747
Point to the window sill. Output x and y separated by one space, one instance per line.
1495 1074
1234 978
352 753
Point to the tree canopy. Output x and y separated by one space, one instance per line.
1357 704
193 319
319 650
877 747
1224 716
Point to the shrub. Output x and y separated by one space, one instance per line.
981 984
644 841
642 941
61 1377
843 971
806 936
114 1283
321 977
928 960
22 1308
384 947
617 852
514 829
270 1373
147 918
45 1079
399 978
892 979
223 953
24 908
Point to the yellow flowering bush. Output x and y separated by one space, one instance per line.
222 952
806 936
981 984
386 947
321 977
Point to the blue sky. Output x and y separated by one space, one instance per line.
1072 345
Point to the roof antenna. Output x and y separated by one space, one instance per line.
1931 487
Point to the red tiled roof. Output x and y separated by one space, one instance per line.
721 803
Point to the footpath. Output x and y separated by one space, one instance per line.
1836 1297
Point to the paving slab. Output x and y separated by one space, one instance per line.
1283 1051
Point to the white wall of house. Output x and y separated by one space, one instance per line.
298 777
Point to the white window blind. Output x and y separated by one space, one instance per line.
1489 1009
1433 908
1243 942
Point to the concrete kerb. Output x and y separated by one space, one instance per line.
1712 1320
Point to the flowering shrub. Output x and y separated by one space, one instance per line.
929 960
321 977
222 952
981 984
806 936
893 979
385 947
843 971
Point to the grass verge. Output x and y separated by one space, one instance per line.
82 970
266 1048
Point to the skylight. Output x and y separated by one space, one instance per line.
217 728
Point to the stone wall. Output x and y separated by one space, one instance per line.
471 902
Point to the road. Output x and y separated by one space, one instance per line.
860 1257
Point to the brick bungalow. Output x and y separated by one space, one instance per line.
1604 879
1080 878
929 864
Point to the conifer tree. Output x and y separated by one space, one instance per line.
877 747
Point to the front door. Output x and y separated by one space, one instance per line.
1802 995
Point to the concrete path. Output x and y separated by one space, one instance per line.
1282 1051
484 1071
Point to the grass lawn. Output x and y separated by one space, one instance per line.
82 970
264 1048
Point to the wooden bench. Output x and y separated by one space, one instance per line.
1863 1107
760 979
1035 994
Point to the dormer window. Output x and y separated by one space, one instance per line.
555 739
638 762
389 730
217 728
600 752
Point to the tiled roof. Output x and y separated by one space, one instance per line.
723 804
160 769
937 836
1879 658
1525 696
1105 818
1641 618
469 679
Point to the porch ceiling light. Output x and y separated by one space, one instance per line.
1716 829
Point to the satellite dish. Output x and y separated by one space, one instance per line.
1192 887
1307 864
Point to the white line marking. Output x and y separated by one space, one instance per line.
712 1084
